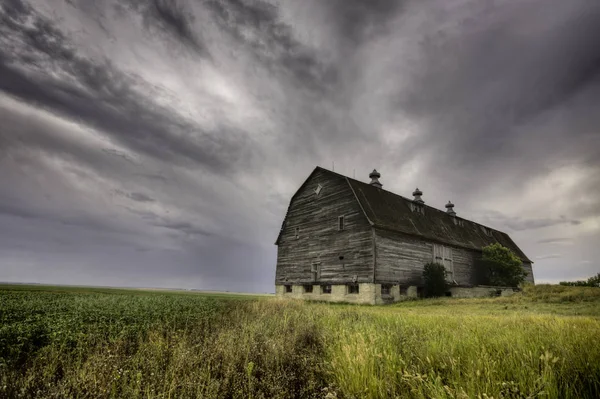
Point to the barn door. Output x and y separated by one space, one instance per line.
315 271
443 256
314 253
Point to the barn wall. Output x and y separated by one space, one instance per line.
529 269
464 266
319 238
400 258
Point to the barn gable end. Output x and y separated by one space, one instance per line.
310 237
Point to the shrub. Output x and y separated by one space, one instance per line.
499 266
434 275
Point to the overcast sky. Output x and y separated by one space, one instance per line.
157 143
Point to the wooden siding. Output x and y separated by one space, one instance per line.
319 239
529 269
400 258
464 265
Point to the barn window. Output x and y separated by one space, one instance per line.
308 288
288 289
417 208
326 289
318 189
352 288
386 289
340 223
403 290
297 232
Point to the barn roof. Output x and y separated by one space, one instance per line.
393 212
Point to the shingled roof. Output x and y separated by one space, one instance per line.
389 211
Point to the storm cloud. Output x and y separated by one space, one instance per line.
157 143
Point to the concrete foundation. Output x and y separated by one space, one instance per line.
369 293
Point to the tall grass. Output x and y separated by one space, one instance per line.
149 345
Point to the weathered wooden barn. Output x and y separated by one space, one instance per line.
346 240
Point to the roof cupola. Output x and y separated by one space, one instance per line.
450 209
417 193
375 175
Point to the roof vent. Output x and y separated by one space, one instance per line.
375 175
417 193
450 209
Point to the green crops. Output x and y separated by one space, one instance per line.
92 343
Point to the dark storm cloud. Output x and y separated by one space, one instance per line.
135 196
474 84
140 197
155 177
171 16
8 209
97 93
184 227
170 223
258 26
359 20
158 143
117 153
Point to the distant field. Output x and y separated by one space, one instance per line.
121 291
102 342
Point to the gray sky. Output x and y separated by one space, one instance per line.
157 143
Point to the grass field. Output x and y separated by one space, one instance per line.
58 342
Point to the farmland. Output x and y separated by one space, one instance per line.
96 343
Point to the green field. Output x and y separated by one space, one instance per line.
63 342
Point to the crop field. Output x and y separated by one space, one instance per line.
59 342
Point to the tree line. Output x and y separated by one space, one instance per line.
593 281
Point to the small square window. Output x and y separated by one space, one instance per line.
326 289
340 223
308 288
318 189
403 290
353 289
386 289
288 289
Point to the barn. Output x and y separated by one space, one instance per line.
349 241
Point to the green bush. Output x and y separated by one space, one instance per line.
434 276
499 266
